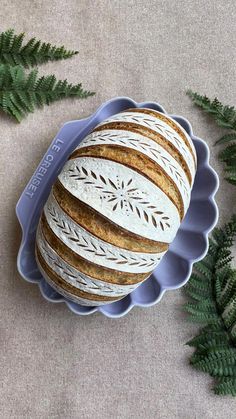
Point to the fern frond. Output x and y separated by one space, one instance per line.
225 116
228 291
213 293
206 305
198 283
217 366
202 268
228 138
225 386
34 52
204 316
228 154
229 313
210 342
21 93
194 294
231 179
233 333
208 338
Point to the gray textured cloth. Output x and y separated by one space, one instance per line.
54 364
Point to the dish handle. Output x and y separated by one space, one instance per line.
34 195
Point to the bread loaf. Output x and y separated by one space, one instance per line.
116 206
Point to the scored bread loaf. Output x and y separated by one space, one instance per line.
116 206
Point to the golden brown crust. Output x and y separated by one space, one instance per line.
88 268
102 227
168 121
67 286
152 135
140 163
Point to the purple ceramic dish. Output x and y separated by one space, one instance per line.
189 246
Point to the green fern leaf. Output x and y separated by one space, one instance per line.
228 154
231 178
225 116
21 93
208 338
226 386
232 333
228 291
199 282
213 293
219 361
34 52
228 138
202 268
229 313
195 295
205 315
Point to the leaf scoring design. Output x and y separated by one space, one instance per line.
145 146
95 248
122 195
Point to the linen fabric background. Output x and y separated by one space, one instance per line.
54 364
